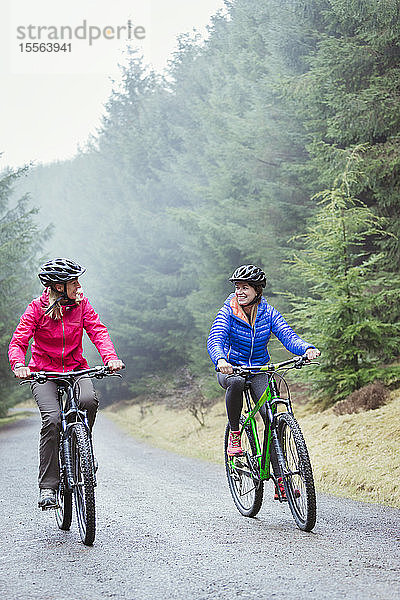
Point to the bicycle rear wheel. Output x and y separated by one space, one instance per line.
298 477
82 464
246 488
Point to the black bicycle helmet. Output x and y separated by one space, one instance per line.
59 270
250 273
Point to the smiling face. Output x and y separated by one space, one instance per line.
72 288
245 293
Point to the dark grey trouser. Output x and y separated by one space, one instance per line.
234 387
45 395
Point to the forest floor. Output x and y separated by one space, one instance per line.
354 455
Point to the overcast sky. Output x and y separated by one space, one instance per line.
50 102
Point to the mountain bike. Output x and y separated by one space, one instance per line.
282 435
78 465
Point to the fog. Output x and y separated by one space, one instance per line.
217 165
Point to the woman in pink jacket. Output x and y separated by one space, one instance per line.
56 321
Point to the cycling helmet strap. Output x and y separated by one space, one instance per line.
53 305
63 297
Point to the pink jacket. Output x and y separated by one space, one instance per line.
57 345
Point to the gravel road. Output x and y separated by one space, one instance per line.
167 528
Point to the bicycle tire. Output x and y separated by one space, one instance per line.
247 491
82 464
64 501
298 477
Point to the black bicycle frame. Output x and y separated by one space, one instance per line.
71 414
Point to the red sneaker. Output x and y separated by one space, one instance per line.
282 490
297 493
234 445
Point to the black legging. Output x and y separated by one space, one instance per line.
234 387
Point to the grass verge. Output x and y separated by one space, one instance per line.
9 419
355 456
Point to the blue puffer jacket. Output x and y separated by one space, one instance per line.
232 337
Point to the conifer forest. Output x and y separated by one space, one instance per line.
275 142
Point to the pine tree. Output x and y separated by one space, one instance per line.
20 244
349 96
350 294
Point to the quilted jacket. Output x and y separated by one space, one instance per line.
232 337
57 344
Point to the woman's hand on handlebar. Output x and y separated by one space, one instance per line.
224 367
22 372
312 353
115 365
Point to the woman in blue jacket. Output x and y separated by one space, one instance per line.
239 336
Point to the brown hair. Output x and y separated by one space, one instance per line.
253 312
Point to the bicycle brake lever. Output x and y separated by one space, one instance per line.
305 361
301 362
107 374
34 377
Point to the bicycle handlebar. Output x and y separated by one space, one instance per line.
298 362
42 376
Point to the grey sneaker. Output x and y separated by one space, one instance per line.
47 499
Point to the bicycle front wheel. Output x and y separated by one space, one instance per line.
82 464
64 501
298 477
245 486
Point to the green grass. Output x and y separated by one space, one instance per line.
9 419
356 456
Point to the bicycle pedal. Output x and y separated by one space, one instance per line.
280 499
238 458
50 507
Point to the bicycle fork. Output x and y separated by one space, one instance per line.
68 461
273 439
67 437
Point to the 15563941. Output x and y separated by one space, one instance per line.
45 47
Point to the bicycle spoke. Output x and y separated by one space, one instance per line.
83 487
63 513
289 458
246 489
298 478
76 460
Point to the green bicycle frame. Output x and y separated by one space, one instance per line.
271 399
